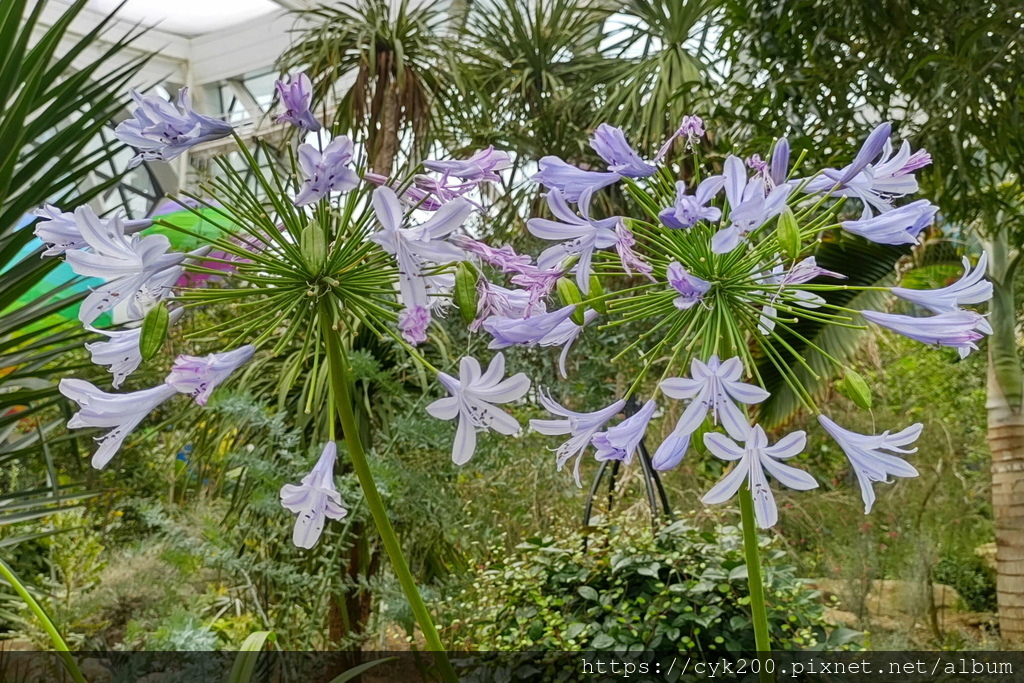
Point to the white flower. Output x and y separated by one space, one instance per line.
121 350
754 458
581 426
870 464
123 412
315 499
198 376
60 230
136 269
472 397
714 387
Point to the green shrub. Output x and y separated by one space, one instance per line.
974 580
678 589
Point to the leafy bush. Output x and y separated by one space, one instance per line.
974 580
676 589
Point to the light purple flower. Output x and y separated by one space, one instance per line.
497 301
579 235
873 182
611 145
565 335
325 172
624 243
538 283
122 412
572 181
971 288
479 167
690 287
716 387
137 270
525 331
784 283
758 165
692 127
688 209
901 225
161 132
753 459
198 376
503 258
749 205
60 229
296 96
958 329
411 196
870 463
472 400
621 441
582 427
779 169
314 500
121 350
439 191
416 247
413 323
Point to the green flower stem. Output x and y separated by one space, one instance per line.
338 368
51 630
753 556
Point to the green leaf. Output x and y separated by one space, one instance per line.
602 642
154 331
855 388
465 291
587 593
361 669
570 294
788 234
248 656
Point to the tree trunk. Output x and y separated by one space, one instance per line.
386 142
1006 440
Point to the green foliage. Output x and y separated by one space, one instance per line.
973 580
676 589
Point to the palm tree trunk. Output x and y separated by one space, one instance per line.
386 142
1006 440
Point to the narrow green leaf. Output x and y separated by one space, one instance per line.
465 291
154 331
788 233
361 669
248 656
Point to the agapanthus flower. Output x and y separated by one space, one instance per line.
198 376
136 269
314 500
579 236
873 182
785 282
957 329
503 258
690 127
121 350
325 172
611 145
688 209
620 442
779 169
870 463
495 300
971 288
161 132
714 387
441 190
123 412
482 166
525 331
901 225
690 287
750 206
565 335
624 243
417 246
59 229
573 182
296 96
411 196
413 323
538 283
753 458
472 400
582 427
